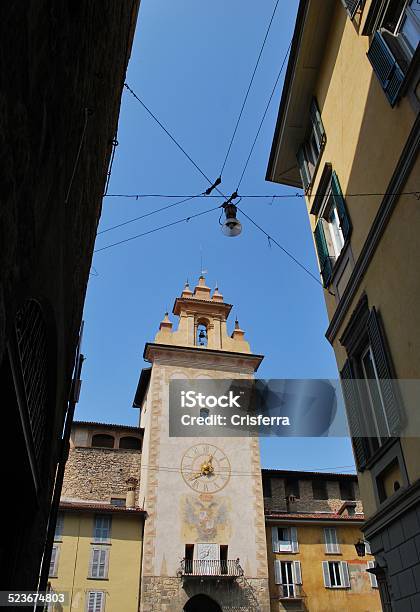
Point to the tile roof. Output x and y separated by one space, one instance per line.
107 425
319 516
91 506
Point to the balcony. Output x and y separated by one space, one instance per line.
210 569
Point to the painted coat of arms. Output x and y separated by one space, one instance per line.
205 518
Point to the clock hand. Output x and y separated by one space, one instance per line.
195 476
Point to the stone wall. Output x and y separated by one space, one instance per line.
306 502
165 594
97 474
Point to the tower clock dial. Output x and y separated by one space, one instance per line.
205 468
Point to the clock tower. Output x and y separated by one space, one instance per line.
204 546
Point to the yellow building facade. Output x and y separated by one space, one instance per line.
97 552
348 132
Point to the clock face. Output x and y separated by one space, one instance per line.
205 468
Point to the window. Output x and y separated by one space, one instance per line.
103 441
284 539
291 486
58 535
371 396
130 442
189 557
331 541
54 562
333 225
102 528
202 338
224 558
396 27
118 501
372 577
95 601
352 7
336 574
347 490
266 485
288 575
309 152
98 566
319 489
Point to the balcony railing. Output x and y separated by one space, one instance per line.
209 568
290 591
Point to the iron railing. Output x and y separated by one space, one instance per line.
211 568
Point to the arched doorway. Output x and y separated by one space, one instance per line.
202 603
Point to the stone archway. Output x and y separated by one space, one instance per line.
202 603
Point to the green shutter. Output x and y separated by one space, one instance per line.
323 254
341 206
318 126
384 372
303 168
354 416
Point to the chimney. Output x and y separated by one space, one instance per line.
131 492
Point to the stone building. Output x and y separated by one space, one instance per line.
348 132
62 69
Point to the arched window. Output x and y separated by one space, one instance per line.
130 442
103 441
201 339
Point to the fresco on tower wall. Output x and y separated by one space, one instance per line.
205 518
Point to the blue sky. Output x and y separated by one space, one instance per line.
191 64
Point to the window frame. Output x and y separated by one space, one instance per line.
333 569
315 140
102 602
59 527
100 549
289 545
331 541
99 539
55 554
292 570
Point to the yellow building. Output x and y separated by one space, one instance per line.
96 557
312 524
348 132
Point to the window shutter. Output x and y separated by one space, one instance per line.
323 255
326 573
383 369
59 526
367 548
341 206
54 561
386 68
277 572
351 7
318 126
344 571
303 168
94 563
95 601
372 577
102 528
331 541
293 537
297 572
354 415
275 539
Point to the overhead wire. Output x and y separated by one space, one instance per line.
249 87
264 115
156 229
138 196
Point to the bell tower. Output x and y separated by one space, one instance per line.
204 536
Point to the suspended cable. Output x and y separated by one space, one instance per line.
268 196
108 229
156 229
264 115
249 87
174 140
285 251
